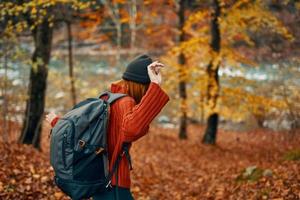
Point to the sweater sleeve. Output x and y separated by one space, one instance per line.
137 117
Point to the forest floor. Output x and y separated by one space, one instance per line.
259 164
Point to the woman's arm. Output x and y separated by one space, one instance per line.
137 118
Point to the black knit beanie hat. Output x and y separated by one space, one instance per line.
137 69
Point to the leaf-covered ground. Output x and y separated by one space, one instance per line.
253 165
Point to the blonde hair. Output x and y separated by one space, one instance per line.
134 89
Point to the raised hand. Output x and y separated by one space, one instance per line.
154 72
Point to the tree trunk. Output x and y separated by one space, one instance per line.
202 114
213 78
32 126
182 83
133 15
70 54
119 42
5 133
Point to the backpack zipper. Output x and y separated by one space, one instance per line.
73 131
63 150
65 141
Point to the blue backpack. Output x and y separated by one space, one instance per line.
78 148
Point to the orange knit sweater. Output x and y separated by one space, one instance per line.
128 122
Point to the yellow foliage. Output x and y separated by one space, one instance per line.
199 16
250 103
38 10
236 21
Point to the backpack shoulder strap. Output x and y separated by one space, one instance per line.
124 151
112 96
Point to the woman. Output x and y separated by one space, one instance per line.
130 116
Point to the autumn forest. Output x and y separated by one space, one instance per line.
231 129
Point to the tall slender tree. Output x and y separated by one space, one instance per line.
213 78
42 36
216 35
133 12
70 59
182 82
38 17
113 9
5 133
